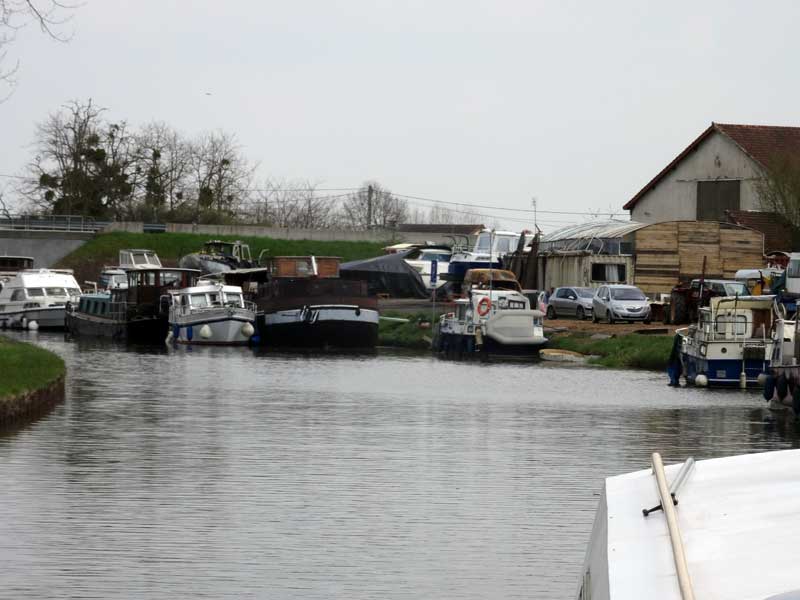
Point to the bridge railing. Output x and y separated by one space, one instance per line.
77 223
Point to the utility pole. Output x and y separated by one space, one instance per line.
369 206
535 224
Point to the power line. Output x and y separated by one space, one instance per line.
523 210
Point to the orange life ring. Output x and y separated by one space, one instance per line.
484 305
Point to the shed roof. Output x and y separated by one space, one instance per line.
458 229
760 142
777 232
611 228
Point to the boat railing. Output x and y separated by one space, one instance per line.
183 310
666 495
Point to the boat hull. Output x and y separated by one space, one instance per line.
320 326
464 345
722 372
220 331
147 330
46 318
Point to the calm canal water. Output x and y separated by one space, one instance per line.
223 473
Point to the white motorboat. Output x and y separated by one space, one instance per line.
421 259
494 317
730 531
36 298
210 313
138 258
732 343
487 253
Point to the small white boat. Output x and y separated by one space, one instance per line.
421 259
36 299
494 317
732 343
210 314
730 532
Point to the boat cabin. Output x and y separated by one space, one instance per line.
138 259
237 250
146 286
209 295
102 305
12 264
39 288
323 267
496 243
733 318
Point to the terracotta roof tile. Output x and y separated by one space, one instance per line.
777 232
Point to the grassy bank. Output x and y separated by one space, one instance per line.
406 335
624 351
26 368
103 249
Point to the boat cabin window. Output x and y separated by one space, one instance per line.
729 324
140 259
56 291
18 295
233 298
482 243
35 292
503 245
199 300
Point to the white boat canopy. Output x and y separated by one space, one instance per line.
741 302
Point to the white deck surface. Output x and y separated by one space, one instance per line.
740 523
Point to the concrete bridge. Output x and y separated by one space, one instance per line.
46 247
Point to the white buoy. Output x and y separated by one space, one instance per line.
762 379
247 330
33 325
701 380
205 332
169 337
743 380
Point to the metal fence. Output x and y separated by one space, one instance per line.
76 223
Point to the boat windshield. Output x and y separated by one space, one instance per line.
736 289
56 291
484 243
35 292
233 298
199 300
627 294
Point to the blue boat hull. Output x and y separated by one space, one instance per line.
722 372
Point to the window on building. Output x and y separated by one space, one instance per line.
609 273
714 198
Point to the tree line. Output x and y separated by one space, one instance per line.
83 163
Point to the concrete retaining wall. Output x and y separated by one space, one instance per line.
46 247
126 226
31 405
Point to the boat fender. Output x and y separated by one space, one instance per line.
358 311
782 386
484 306
769 388
478 337
205 332
33 325
189 333
701 380
176 332
247 330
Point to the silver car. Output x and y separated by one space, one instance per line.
620 303
570 301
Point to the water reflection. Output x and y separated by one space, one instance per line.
229 473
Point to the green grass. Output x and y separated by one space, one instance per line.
26 367
103 249
406 335
624 351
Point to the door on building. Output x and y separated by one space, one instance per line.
716 197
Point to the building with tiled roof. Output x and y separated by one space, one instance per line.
717 176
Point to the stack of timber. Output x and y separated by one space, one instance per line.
666 253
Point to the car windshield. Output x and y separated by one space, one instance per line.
585 292
627 294
736 289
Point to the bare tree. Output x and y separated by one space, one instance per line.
373 206
165 158
48 15
220 175
293 204
779 189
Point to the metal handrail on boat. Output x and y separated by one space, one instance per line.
678 552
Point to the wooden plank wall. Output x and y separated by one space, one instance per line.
666 253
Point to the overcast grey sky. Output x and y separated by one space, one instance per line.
481 102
